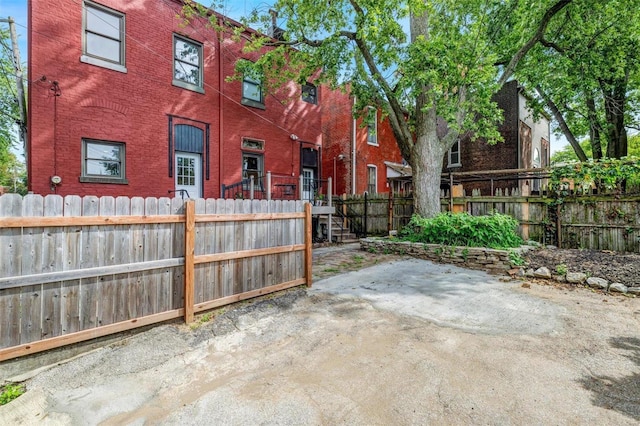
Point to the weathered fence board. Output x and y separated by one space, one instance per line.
111 264
603 222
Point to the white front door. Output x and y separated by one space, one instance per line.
188 175
308 184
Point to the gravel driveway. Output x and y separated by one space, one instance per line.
402 342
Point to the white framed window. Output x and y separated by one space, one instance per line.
310 93
252 89
454 155
372 179
187 64
103 37
372 126
103 161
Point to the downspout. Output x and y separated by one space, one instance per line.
353 149
220 114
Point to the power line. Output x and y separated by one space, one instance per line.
170 61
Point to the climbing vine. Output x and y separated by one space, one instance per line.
606 175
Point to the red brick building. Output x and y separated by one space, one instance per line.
525 146
355 149
126 100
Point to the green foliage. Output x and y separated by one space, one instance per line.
516 258
561 269
588 67
494 231
607 174
12 171
10 391
567 154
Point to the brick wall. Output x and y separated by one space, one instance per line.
133 107
337 126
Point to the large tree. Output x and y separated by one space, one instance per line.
587 70
424 62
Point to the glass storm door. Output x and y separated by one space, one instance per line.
188 175
308 184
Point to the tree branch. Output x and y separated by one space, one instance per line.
537 36
563 125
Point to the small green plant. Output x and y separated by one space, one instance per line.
372 250
465 254
516 258
358 259
561 269
331 270
10 391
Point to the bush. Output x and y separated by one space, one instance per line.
496 231
9 392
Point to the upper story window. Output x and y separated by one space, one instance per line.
309 93
372 126
454 155
252 93
103 37
187 64
103 162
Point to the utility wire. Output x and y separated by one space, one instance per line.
170 61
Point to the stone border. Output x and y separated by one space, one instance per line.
490 260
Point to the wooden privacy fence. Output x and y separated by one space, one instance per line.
73 269
598 222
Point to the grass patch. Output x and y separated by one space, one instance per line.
11 391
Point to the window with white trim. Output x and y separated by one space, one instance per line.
372 179
103 161
372 126
187 64
454 155
103 40
252 90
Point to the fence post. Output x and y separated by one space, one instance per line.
365 214
330 204
390 218
189 253
268 186
308 253
251 187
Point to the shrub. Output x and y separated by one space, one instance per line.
494 231
10 391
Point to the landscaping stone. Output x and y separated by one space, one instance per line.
633 290
576 277
618 287
528 273
543 272
596 282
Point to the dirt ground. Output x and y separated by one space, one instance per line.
339 354
612 266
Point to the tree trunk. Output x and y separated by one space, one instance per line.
428 153
614 102
594 128
563 125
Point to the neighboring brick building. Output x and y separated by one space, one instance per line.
361 145
376 159
525 146
126 100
